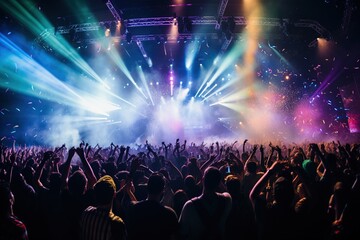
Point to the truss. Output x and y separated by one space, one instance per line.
113 10
168 21
221 12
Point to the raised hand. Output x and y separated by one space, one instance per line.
122 149
80 152
71 152
12 158
48 155
262 148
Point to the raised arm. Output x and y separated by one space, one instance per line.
260 185
244 145
47 156
262 159
174 168
12 163
207 163
66 166
165 150
121 156
317 151
87 168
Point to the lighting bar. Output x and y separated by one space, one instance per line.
168 21
221 12
113 10
226 44
141 47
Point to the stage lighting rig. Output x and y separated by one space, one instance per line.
227 24
113 10
221 12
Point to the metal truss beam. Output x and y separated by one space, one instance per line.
167 21
226 44
221 12
141 47
316 26
160 37
113 10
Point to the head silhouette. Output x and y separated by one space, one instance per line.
212 178
104 189
156 184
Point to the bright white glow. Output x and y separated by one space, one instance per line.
191 51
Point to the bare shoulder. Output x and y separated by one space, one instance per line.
226 196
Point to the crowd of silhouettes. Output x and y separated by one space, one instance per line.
181 191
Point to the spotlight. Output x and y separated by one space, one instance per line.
174 19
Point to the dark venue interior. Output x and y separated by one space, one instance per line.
179 119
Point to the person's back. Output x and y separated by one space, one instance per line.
149 219
276 220
205 217
241 219
10 227
251 177
100 223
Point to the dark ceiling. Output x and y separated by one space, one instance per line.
328 12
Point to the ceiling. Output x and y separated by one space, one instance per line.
329 13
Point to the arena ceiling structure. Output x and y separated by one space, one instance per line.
146 22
